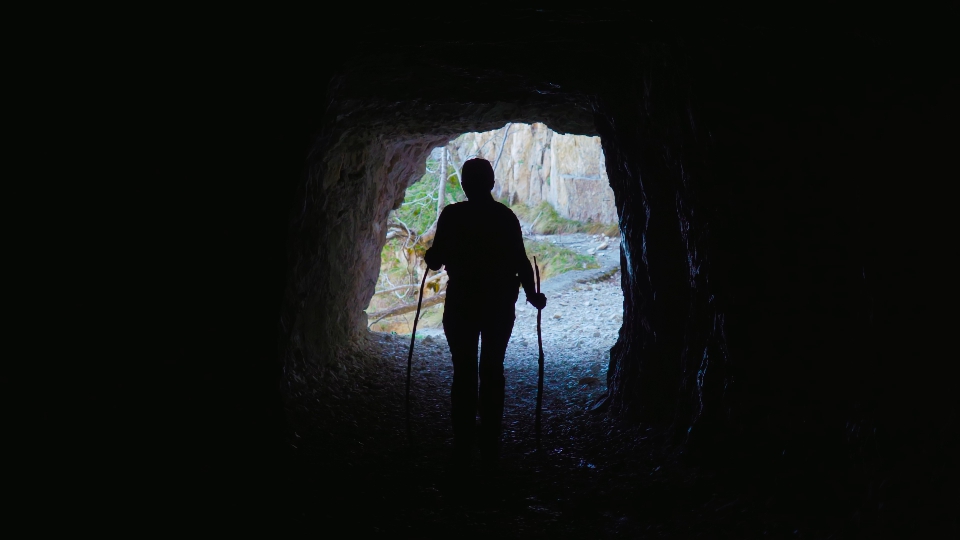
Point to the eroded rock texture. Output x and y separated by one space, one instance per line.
369 153
343 228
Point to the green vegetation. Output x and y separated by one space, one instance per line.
419 208
546 220
555 260
402 257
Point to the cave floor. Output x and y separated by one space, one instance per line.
593 478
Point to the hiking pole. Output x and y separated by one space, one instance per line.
413 337
539 360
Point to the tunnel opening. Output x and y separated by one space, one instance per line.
644 393
556 185
774 290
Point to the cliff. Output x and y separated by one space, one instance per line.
534 163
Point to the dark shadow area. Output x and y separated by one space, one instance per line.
480 245
783 368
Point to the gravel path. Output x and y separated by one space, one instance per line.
608 257
350 432
354 467
580 323
579 326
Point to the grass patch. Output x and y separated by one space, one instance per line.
546 220
555 260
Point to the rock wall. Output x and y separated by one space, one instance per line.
357 173
361 179
535 164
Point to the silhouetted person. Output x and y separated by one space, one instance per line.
480 243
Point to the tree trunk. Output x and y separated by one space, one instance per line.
503 143
442 174
428 235
407 308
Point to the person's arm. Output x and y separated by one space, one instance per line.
436 256
525 270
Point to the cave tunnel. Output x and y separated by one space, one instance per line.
557 187
782 368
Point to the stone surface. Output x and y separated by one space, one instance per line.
534 164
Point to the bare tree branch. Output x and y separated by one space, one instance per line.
431 231
456 166
409 285
503 142
409 232
406 308
442 190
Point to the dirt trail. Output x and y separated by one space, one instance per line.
608 257
594 477
580 323
353 464
351 435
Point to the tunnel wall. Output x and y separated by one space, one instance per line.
777 269
340 232
820 254
773 285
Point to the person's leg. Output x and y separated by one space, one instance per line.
496 332
462 337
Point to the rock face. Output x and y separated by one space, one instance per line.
357 175
362 182
534 163
778 297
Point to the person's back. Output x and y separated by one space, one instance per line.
482 249
480 243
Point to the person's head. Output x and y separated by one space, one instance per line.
476 177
